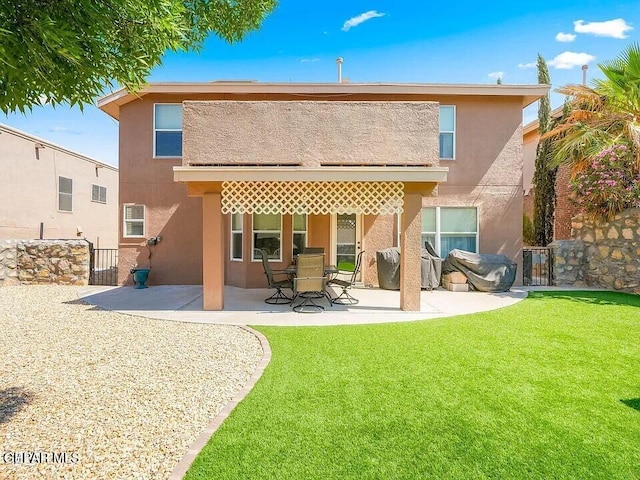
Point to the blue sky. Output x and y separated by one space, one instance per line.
382 41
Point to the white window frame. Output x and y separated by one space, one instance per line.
305 231
241 232
70 195
163 130
455 125
253 239
99 187
125 220
438 233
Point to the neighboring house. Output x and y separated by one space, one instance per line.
565 210
47 188
220 169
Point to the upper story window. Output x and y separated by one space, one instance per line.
98 194
447 132
65 194
167 130
450 227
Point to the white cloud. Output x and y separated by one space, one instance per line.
71 131
528 65
565 37
611 28
495 75
363 17
568 60
310 60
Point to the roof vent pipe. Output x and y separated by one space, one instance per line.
339 61
584 74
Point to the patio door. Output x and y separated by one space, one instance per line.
346 240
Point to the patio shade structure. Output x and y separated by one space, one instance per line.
321 190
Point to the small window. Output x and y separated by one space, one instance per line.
167 130
98 194
299 233
447 228
65 194
134 220
236 236
267 235
447 132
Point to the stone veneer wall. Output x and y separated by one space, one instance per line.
610 253
569 263
64 262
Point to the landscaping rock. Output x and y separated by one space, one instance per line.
128 395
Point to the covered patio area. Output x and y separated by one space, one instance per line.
184 303
365 191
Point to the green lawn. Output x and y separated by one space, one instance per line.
548 389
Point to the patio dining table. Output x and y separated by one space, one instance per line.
328 270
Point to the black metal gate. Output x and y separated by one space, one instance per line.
103 265
537 266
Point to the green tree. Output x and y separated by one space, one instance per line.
544 177
601 116
70 51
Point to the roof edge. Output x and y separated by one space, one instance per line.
112 102
33 138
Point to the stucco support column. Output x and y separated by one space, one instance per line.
212 252
410 249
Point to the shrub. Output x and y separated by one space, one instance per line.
528 232
609 184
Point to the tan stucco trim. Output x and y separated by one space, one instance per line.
529 93
322 174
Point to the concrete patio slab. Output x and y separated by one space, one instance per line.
246 306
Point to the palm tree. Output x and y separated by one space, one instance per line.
607 114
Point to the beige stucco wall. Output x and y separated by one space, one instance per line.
148 181
379 232
487 173
310 133
30 192
530 143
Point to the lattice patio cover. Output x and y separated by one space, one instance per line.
319 198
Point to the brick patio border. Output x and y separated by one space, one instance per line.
185 462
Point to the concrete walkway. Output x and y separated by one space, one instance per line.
183 303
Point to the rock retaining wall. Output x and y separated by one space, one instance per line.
603 254
64 262
8 262
569 263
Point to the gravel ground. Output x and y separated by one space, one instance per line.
124 396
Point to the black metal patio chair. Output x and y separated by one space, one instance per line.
345 298
278 298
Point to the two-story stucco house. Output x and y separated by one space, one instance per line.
53 192
221 169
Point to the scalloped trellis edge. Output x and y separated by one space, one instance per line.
316 198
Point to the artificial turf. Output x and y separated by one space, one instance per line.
547 388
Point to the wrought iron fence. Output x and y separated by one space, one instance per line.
537 266
103 264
